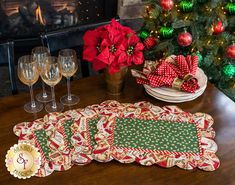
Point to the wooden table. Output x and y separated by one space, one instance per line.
92 90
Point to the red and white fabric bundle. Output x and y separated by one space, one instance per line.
174 72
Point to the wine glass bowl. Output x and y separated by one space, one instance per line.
39 54
28 74
51 75
27 70
68 63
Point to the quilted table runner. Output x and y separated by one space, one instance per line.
140 132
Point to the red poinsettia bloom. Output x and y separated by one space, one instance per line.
112 46
116 28
131 52
92 39
110 49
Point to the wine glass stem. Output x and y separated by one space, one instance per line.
69 88
53 97
33 105
44 93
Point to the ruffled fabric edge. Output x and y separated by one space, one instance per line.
83 153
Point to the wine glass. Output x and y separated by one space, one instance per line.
29 74
67 60
51 75
39 54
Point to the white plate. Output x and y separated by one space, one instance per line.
202 81
172 100
177 97
185 95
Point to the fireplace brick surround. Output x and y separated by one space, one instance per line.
130 9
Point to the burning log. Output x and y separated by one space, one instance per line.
26 15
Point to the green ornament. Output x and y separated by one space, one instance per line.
228 70
200 58
166 32
186 5
144 34
230 8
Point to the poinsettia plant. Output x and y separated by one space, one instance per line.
112 46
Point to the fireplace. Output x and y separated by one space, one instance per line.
27 18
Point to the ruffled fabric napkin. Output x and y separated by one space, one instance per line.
175 72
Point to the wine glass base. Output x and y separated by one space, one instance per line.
73 101
59 107
44 99
28 107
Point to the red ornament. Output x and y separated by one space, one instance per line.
150 42
167 4
218 28
185 39
230 51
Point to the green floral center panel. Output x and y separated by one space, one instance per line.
156 135
42 139
68 132
92 130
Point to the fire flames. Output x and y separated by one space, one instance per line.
39 17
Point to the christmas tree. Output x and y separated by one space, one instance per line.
194 27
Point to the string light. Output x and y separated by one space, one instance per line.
209 42
221 42
193 49
186 17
